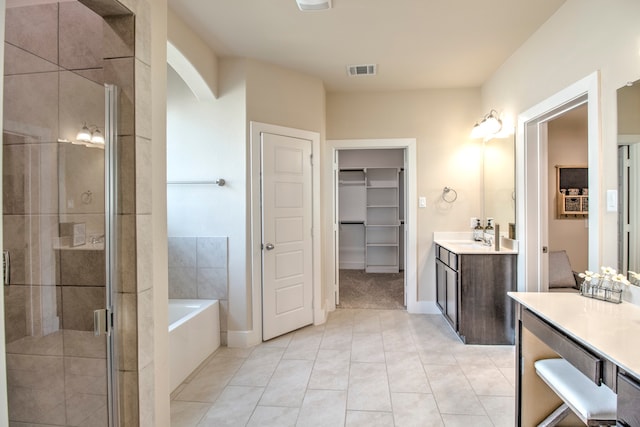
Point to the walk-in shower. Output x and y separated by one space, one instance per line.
60 197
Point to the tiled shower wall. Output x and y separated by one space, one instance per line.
198 269
113 51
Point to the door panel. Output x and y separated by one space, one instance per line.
287 288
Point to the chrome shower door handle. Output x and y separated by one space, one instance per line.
269 246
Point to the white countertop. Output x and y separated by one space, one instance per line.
609 329
471 247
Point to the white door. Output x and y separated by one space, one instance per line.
287 279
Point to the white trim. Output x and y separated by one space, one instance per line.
240 339
319 312
189 74
530 263
411 214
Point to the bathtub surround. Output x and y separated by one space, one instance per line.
198 270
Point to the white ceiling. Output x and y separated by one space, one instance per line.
415 43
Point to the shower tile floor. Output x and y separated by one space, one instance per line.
361 368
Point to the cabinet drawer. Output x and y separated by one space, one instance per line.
442 254
586 362
628 401
453 261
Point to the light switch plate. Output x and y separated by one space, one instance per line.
422 202
612 200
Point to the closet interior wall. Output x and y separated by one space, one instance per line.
371 210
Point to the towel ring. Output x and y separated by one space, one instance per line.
450 199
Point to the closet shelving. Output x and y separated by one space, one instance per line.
371 197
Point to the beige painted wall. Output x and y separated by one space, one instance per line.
440 120
194 49
583 36
567 146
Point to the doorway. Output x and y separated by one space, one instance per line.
407 146
371 206
532 180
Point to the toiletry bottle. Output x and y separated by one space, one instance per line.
478 231
489 228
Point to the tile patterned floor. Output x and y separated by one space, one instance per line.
362 368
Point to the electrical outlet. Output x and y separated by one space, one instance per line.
472 222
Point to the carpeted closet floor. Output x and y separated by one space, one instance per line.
371 290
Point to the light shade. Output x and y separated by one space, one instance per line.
488 127
307 5
84 135
96 137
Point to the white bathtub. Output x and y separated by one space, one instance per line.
194 333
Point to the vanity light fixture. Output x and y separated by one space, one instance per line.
90 135
490 125
84 135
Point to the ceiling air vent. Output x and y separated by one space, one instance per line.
362 70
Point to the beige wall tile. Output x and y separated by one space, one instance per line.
79 52
143 32
119 36
19 61
34 106
84 344
143 176
126 175
15 316
78 304
126 253
145 328
119 71
143 99
82 268
81 101
127 332
129 398
144 252
146 396
31 28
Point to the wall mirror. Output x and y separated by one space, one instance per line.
628 98
499 181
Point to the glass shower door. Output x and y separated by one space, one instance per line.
56 231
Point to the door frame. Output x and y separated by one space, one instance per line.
255 302
531 179
410 220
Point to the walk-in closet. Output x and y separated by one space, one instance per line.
371 216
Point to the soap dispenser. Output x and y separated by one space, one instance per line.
489 228
478 231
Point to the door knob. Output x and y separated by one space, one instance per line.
269 246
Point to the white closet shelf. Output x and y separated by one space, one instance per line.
348 182
382 206
382 244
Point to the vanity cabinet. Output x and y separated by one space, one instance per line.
447 285
471 292
628 401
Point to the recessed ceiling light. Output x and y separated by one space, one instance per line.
307 5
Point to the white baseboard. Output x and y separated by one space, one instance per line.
423 307
243 339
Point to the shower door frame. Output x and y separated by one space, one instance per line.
111 246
